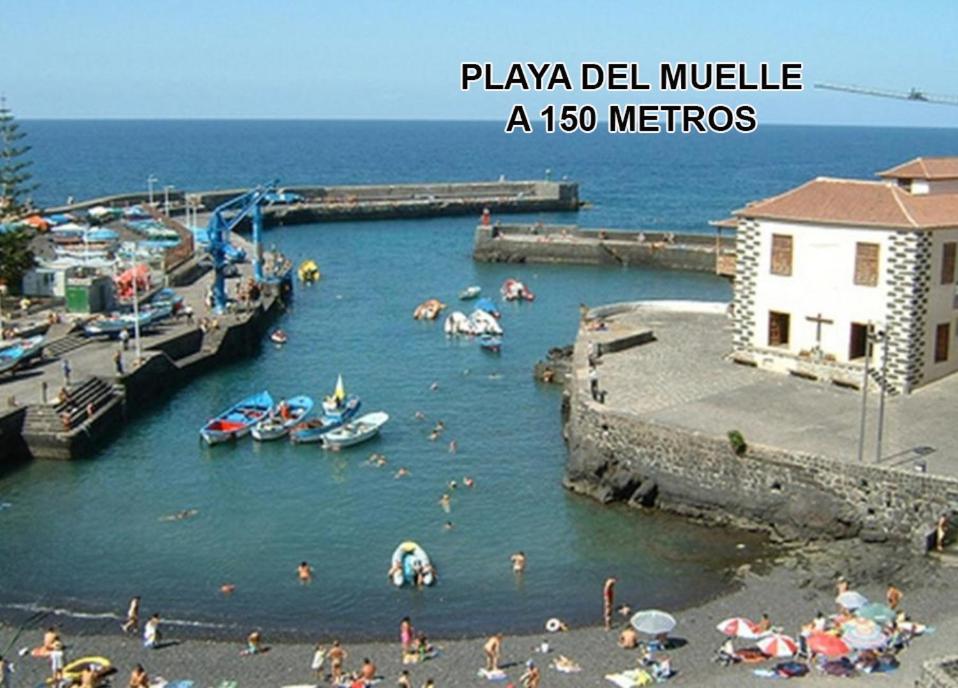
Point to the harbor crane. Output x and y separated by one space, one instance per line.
225 218
912 94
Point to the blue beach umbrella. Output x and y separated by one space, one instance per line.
877 612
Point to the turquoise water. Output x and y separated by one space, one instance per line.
264 508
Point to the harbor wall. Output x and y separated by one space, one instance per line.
569 244
615 455
11 427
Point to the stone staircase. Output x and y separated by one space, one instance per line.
49 429
65 345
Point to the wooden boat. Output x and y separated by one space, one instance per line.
355 432
428 310
470 293
308 272
237 421
288 413
491 343
17 352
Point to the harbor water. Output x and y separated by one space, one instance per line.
86 535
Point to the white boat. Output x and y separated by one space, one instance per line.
277 425
470 292
409 559
360 430
458 323
483 323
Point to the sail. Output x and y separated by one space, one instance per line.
340 393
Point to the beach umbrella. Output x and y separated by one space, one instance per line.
653 622
778 645
877 612
828 645
851 600
739 627
863 634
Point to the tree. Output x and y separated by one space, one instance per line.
14 177
15 257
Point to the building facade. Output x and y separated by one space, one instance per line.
836 271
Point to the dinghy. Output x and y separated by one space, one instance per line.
355 432
278 337
313 430
286 415
407 558
470 293
237 421
117 323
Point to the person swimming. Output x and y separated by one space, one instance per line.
180 515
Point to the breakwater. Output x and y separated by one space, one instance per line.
619 454
539 243
372 202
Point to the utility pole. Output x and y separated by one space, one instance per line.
150 181
883 336
861 426
166 198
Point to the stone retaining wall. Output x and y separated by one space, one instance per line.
615 455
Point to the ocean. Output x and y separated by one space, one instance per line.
86 535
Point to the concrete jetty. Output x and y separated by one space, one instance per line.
570 244
374 201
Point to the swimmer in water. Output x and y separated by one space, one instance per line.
518 561
468 482
446 503
434 386
453 447
433 436
180 515
447 526
453 485
401 473
305 572
227 588
419 415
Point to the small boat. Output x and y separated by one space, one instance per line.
17 352
308 272
237 421
483 323
514 290
428 310
470 293
457 323
355 432
116 323
313 429
286 415
489 306
278 337
407 558
491 343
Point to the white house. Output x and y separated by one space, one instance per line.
821 267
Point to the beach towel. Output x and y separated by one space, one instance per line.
180 684
766 673
227 684
565 665
630 678
497 675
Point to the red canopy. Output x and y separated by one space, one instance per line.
829 645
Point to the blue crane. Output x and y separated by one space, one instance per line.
225 218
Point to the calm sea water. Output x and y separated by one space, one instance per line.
86 535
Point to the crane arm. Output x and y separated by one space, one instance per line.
913 94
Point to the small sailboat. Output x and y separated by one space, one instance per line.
470 293
237 421
286 415
355 432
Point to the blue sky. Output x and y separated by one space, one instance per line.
383 60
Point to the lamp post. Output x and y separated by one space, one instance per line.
882 336
166 198
150 181
861 425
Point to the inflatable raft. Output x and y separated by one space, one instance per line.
406 559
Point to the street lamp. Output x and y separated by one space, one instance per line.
882 336
166 198
873 337
150 181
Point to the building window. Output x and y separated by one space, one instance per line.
778 328
948 263
942 335
866 264
782 254
858 342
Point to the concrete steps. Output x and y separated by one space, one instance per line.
65 345
93 394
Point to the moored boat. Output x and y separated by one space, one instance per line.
487 305
491 343
15 353
483 323
278 337
237 421
286 414
457 323
514 290
355 432
314 429
308 272
428 310
470 293
410 561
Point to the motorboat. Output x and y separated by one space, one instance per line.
491 343
487 305
470 293
355 432
17 352
278 337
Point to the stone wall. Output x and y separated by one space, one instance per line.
620 456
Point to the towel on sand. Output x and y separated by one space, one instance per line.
630 678
497 675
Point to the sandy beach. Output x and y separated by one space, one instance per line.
799 585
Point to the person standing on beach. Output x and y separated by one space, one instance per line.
337 655
57 660
608 601
368 671
493 649
319 659
941 531
132 616
151 632
305 572
893 596
406 636
841 585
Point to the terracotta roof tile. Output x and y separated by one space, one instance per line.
924 168
858 203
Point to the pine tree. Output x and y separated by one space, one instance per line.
14 177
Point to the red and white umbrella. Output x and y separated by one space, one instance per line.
778 645
739 627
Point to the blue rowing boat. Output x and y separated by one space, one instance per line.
287 414
314 429
15 354
238 419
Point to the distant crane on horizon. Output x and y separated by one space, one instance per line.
914 94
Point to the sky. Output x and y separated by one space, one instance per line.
363 59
